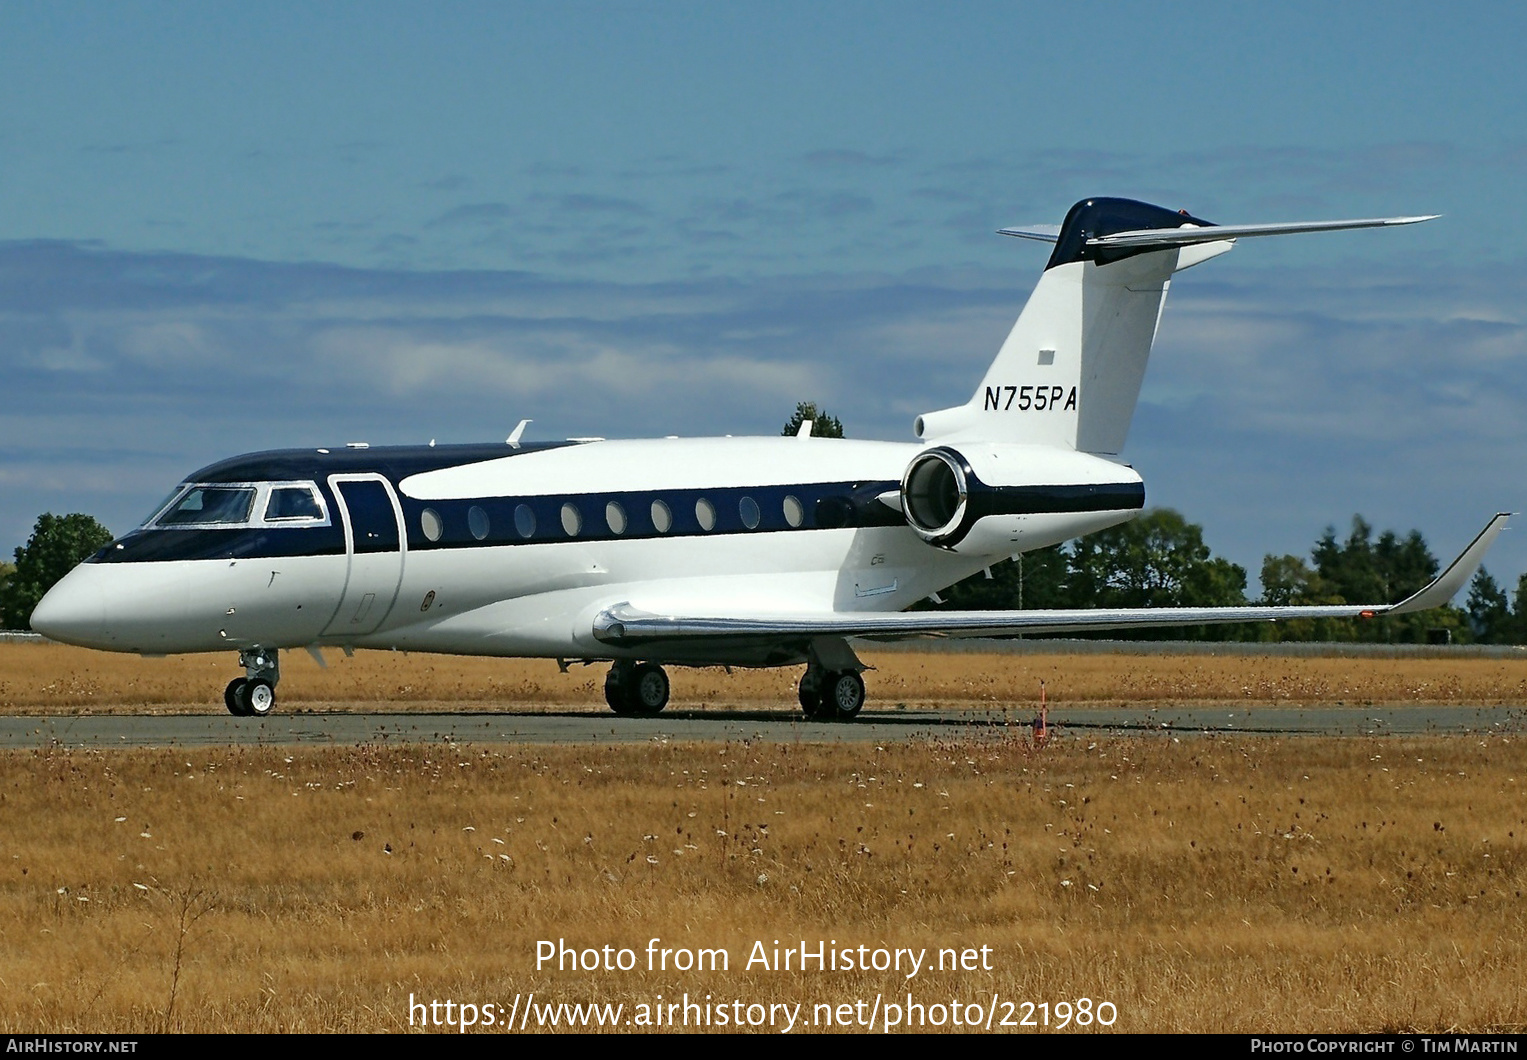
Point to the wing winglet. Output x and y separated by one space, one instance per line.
1446 585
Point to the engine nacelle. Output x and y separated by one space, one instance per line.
999 499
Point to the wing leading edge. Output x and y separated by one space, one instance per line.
627 626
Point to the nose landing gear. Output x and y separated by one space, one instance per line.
255 694
636 689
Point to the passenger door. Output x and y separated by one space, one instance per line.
375 547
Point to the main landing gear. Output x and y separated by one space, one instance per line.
636 689
831 695
255 694
830 690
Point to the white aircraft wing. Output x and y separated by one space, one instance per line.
628 626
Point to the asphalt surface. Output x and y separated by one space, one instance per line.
348 729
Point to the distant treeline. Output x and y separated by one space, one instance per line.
1160 560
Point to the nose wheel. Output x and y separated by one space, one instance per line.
636 689
254 696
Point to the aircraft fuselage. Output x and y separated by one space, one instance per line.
513 551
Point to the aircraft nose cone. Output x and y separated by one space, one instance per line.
74 610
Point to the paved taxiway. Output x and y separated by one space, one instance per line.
219 730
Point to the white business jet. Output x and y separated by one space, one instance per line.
689 552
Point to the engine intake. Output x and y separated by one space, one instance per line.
935 493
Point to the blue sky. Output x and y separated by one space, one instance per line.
227 227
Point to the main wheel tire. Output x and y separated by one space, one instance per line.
616 692
231 696
810 694
257 697
845 694
647 689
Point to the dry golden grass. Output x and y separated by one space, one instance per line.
43 678
1212 884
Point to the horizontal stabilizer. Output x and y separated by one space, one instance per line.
627 626
1043 233
1189 234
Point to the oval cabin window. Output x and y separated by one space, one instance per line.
795 512
748 509
662 517
524 521
429 522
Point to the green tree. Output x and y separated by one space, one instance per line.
1515 631
57 544
822 425
1489 615
1033 581
1365 571
1287 581
6 570
1349 569
1156 560
1387 570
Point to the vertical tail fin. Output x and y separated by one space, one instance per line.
1070 371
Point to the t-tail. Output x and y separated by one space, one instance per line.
1070 371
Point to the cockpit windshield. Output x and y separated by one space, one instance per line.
162 505
243 504
217 505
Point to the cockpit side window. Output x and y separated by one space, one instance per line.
210 505
292 502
